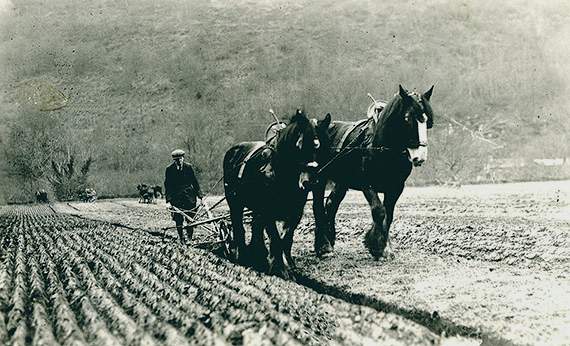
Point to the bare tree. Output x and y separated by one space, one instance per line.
66 181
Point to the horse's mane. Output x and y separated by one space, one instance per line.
299 116
393 107
299 119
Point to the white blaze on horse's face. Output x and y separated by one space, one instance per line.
419 155
299 143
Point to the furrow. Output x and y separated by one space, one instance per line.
178 310
64 322
119 320
87 316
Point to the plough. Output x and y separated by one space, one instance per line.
218 227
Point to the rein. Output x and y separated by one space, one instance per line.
344 151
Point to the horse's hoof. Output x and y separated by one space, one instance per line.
290 262
260 264
375 246
231 255
324 251
389 255
282 273
374 251
281 270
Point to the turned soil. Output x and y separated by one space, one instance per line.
481 263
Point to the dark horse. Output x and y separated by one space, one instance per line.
271 180
372 156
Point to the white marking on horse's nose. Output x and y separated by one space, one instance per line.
422 131
418 162
419 155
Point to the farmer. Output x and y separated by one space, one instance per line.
182 191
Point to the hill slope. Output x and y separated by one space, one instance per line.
141 78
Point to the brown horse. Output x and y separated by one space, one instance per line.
372 156
271 181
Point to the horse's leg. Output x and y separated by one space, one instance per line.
333 202
376 238
322 244
289 227
258 251
236 216
277 266
390 199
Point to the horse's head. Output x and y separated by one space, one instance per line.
322 128
404 122
298 144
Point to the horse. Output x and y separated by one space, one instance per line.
88 195
146 193
374 155
157 191
271 180
42 196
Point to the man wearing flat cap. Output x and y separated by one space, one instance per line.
182 191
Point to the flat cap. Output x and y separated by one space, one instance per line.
177 153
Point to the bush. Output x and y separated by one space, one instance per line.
67 183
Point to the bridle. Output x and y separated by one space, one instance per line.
422 142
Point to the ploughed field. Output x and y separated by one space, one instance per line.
72 281
474 264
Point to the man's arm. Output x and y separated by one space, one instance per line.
166 187
195 184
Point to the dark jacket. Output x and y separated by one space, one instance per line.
181 186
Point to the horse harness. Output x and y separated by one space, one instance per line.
258 149
362 141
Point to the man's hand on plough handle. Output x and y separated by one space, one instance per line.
217 226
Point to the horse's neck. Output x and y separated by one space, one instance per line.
384 133
286 172
379 135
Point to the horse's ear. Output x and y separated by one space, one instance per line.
325 123
427 94
403 92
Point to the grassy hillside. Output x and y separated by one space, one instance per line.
143 77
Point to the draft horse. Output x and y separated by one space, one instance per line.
374 156
272 181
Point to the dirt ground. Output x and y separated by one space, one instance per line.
487 260
483 262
